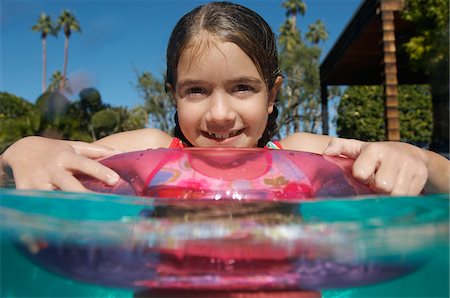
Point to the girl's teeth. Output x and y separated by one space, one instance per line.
221 136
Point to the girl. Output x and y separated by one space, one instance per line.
223 73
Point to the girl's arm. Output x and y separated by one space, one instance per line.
46 164
135 140
307 142
439 173
395 168
387 167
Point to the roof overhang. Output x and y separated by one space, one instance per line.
357 56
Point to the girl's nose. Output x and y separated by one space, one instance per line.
221 108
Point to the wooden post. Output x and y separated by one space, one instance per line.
387 8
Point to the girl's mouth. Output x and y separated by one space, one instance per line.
220 136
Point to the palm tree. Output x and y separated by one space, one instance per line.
45 26
68 23
317 32
55 81
294 7
288 38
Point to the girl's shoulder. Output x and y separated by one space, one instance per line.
134 140
303 141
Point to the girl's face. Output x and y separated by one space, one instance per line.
222 100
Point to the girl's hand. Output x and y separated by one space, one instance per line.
387 167
46 164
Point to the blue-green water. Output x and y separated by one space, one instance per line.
377 225
20 278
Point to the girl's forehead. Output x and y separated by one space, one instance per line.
201 45
206 46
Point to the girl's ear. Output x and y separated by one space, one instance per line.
273 94
170 90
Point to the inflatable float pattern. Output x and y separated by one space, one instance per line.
232 173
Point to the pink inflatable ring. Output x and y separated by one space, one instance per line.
230 173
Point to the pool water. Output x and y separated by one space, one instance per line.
404 230
21 278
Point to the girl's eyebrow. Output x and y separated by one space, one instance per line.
246 80
241 80
189 82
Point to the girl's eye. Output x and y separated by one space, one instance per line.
195 91
244 88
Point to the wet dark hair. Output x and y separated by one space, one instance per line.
234 23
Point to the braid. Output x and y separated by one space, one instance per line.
270 128
177 131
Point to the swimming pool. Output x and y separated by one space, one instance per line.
21 277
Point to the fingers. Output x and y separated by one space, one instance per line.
410 180
93 150
46 164
365 167
417 185
348 148
33 184
60 174
389 171
68 182
399 184
92 168
386 167
383 179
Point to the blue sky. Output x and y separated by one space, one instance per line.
119 37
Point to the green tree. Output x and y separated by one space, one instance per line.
105 122
89 118
428 50
416 114
159 105
299 105
45 26
90 103
55 81
293 8
68 22
317 32
361 114
289 34
289 38
73 126
53 107
116 119
18 118
429 45
136 118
